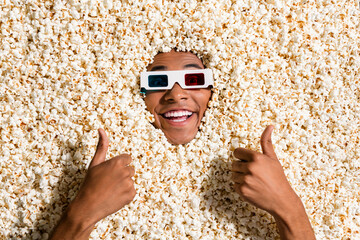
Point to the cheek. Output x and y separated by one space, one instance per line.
151 101
203 99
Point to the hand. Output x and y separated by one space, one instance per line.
106 189
107 186
259 177
260 180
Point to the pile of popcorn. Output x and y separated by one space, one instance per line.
70 67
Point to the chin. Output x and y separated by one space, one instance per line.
180 138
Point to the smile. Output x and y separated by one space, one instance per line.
177 116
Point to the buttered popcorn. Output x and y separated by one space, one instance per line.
70 67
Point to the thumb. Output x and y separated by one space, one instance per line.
101 149
266 143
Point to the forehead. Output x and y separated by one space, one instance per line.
175 61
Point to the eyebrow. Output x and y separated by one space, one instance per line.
158 68
162 67
193 65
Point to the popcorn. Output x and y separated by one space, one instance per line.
72 67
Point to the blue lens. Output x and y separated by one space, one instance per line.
158 81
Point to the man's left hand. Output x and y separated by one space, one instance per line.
259 177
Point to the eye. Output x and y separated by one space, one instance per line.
158 81
195 79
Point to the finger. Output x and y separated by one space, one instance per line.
266 143
237 187
101 149
238 177
122 159
239 166
131 171
244 154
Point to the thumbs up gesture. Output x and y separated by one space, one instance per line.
260 180
259 177
107 187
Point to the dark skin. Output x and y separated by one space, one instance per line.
177 99
260 180
259 177
108 186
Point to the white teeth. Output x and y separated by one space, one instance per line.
179 120
177 113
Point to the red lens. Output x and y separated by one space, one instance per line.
194 79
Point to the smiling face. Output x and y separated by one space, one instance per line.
177 112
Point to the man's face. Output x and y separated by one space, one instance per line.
177 111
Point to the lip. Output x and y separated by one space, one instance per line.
176 109
178 124
174 123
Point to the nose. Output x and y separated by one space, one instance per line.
176 94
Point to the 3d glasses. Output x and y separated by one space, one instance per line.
187 79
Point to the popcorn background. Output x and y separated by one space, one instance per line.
70 67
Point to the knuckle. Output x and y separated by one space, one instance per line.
256 157
237 187
233 177
234 165
247 179
132 171
126 173
129 183
244 191
252 167
116 162
238 165
132 192
125 156
265 139
238 178
102 145
236 151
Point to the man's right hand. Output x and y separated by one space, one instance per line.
108 186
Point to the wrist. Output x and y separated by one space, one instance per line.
293 222
289 208
72 226
77 215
